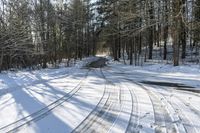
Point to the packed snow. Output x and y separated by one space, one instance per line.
116 98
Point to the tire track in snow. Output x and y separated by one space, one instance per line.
139 117
193 108
19 87
42 113
183 111
163 122
133 122
183 122
162 118
127 108
143 118
104 114
134 118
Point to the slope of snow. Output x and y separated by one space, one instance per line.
185 74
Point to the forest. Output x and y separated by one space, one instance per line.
99 66
36 33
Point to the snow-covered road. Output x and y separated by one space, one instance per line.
111 99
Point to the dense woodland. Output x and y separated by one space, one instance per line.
35 33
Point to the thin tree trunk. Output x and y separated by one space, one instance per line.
131 51
1 60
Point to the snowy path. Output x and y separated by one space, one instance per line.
171 111
32 98
99 100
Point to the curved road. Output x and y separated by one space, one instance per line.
127 106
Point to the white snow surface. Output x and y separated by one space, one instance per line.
111 99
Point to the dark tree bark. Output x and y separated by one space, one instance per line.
131 51
151 29
183 32
176 30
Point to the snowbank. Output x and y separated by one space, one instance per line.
184 74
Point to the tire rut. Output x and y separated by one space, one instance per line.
42 113
185 120
104 114
182 123
162 118
134 118
163 122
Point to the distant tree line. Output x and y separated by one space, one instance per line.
135 27
35 33
40 32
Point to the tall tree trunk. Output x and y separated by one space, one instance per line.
151 29
176 30
131 51
183 32
165 34
1 60
150 43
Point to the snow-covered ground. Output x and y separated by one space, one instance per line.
117 98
